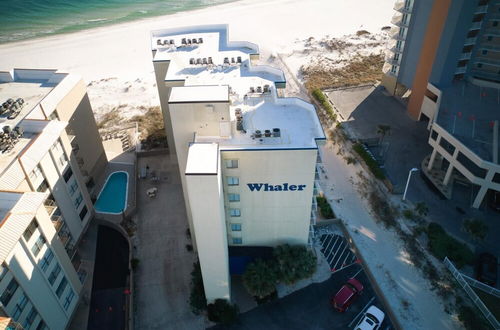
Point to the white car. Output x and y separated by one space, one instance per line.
372 319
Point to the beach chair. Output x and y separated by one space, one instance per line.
189 41
200 40
210 61
204 61
183 41
191 61
165 42
198 61
172 42
232 60
252 90
194 41
226 60
259 89
158 42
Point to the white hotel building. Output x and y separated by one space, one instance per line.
45 206
246 156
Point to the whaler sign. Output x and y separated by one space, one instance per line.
277 187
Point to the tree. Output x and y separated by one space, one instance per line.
421 209
197 298
383 130
260 278
221 311
476 228
294 263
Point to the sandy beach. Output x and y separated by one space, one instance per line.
116 60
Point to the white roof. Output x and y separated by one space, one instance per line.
246 83
17 209
202 159
199 94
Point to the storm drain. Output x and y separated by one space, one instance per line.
337 252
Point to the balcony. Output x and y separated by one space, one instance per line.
495 32
476 26
403 6
490 76
470 41
401 20
50 206
491 47
57 221
481 10
461 70
465 56
487 61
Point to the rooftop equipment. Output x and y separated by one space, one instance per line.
276 132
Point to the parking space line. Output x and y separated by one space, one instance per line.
346 257
362 311
330 250
338 270
345 247
336 251
359 271
326 242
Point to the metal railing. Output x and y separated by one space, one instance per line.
470 292
470 41
476 26
481 286
489 61
481 9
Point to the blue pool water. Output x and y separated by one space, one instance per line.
113 197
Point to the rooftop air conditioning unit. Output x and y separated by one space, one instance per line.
276 132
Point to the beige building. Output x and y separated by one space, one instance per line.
247 157
44 182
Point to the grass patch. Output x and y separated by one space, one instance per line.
109 119
360 70
369 160
324 207
323 100
383 211
443 245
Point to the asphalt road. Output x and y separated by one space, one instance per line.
310 307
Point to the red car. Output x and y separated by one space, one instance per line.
346 295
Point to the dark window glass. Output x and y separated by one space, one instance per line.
62 285
471 166
67 175
447 146
30 230
83 213
9 292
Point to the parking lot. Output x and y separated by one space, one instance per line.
337 252
310 308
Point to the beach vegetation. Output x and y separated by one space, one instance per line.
152 127
260 278
324 207
369 160
294 262
476 228
221 311
323 101
442 245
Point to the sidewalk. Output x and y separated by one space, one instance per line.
408 293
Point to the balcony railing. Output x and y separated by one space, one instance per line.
50 206
403 6
57 221
486 75
476 26
481 9
488 61
461 70
470 41
465 56
492 32
490 46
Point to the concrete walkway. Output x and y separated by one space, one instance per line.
163 277
382 250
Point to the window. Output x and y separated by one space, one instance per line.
3 271
38 245
484 52
231 163
41 326
83 212
37 171
54 274
73 187
68 299
495 23
54 116
234 197
233 181
43 186
394 69
67 174
30 230
56 146
30 318
78 200
46 260
62 285
9 292
19 308
63 160
236 226
480 65
396 57
235 212
237 240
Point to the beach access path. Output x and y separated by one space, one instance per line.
382 250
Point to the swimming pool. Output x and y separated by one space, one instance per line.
113 196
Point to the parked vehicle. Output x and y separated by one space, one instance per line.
347 294
487 268
372 319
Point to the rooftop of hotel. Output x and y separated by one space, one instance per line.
226 67
469 112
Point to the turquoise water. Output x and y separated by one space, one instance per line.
113 196
26 19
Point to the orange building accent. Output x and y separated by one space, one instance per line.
430 45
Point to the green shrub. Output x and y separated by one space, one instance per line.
442 245
260 278
221 311
321 98
476 229
324 207
294 263
471 318
370 161
197 298
408 214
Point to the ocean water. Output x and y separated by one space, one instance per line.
27 19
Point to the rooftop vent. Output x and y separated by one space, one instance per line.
276 132
267 133
238 59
